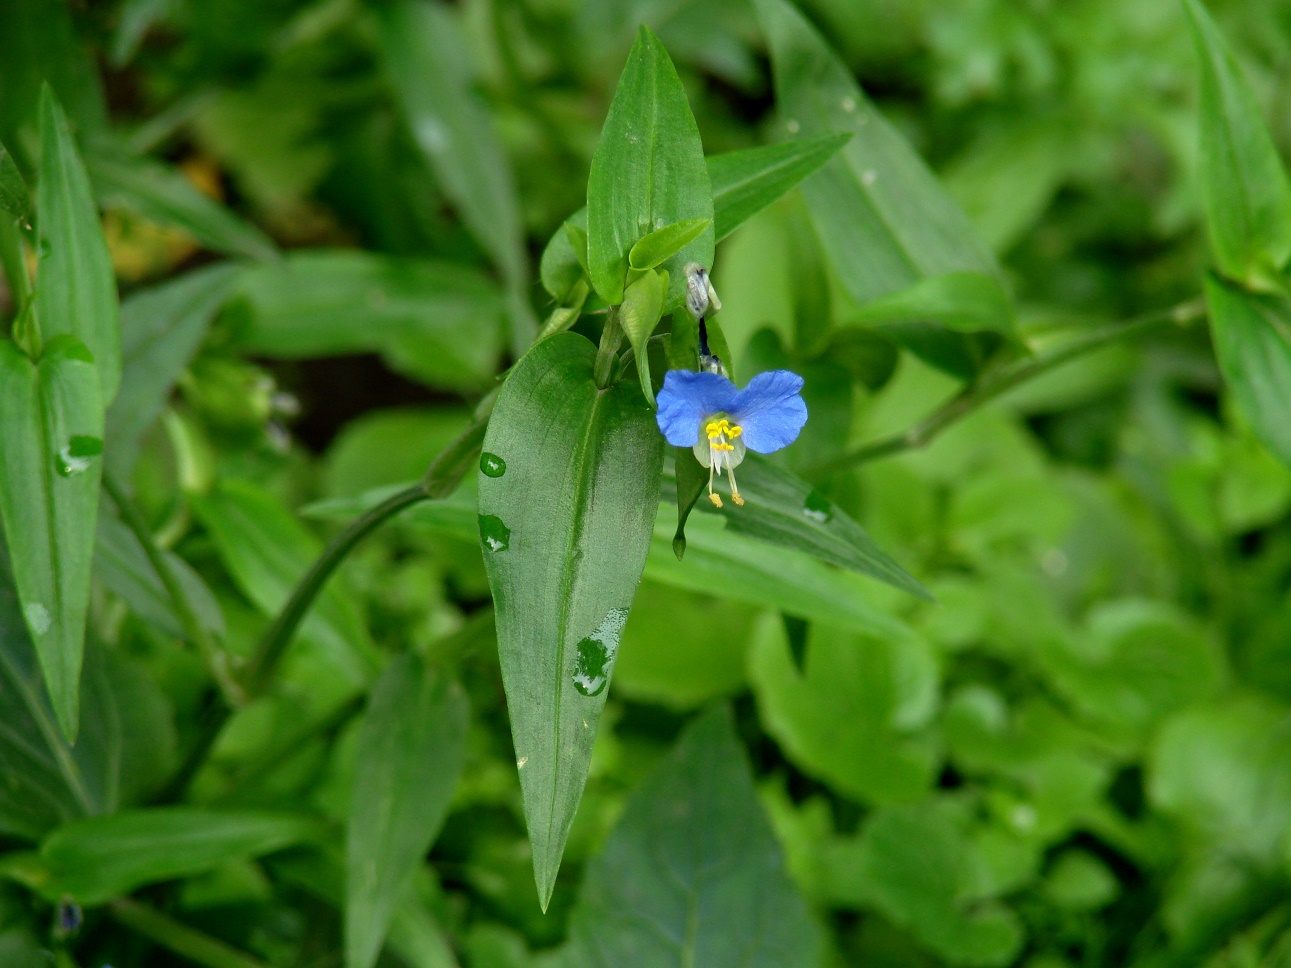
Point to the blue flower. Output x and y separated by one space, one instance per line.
706 412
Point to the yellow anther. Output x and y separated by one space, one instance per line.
734 431
716 499
735 496
721 446
716 429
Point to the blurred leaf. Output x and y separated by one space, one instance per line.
97 859
423 53
409 757
648 172
1244 185
560 267
163 195
857 716
565 510
963 301
639 315
871 359
136 18
650 250
1079 881
385 447
692 873
1253 342
745 182
51 440
75 287
433 321
123 566
266 551
13 190
161 330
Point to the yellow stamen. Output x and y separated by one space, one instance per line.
717 499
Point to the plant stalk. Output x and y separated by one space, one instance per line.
179 938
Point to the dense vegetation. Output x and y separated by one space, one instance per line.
332 334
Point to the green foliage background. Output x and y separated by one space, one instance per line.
326 220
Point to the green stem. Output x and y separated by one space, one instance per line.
611 340
194 631
974 396
179 938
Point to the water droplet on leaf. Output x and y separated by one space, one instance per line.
38 618
818 508
77 456
495 535
595 658
492 465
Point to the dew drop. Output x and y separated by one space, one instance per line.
492 465
495 535
77 456
595 658
38 618
817 508
793 126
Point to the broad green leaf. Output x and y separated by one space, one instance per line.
161 330
782 509
857 715
1252 334
97 859
661 244
409 756
431 320
76 289
51 442
127 741
424 54
163 195
123 566
745 182
13 190
568 492
917 866
882 216
963 301
266 550
1244 185
639 315
648 172
692 873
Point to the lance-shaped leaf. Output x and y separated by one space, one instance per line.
745 182
1253 342
51 439
648 172
661 244
568 491
1245 188
75 286
964 301
692 874
13 190
639 315
410 755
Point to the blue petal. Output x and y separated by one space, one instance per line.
770 410
687 398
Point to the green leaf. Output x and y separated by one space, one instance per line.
123 566
561 268
161 330
692 873
648 172
963 301
409 756
857 715
1252 334
161 194
565 514
433 321
745 182
51 440
662 244
76 289
639 315
266 550
13 190
423 52
97 859
1244 185
882 216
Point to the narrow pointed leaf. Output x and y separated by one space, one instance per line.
409 757
745 182
664 243
692 873
568 492
963 301
1243 182
648 172
76 289
1253 342
882 216
639 315
13 190
51 442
